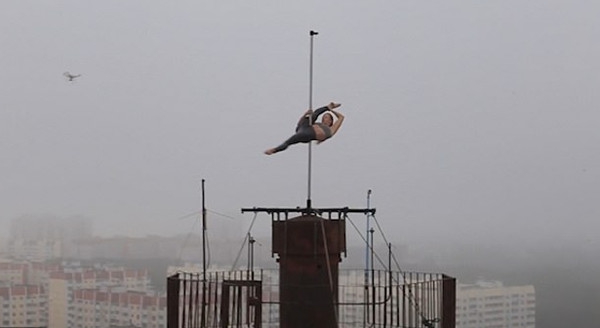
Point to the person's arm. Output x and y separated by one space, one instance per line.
338 123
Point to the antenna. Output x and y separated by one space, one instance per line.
310 106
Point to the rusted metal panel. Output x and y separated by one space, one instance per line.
173 301
303 235
309 249
224 318
448 302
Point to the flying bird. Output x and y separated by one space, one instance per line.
71 77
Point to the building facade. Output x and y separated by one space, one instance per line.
23 306
64 285
493 305
93 308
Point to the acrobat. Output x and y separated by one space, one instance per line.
308 129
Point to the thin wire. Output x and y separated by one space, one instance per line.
410 296
221 214
329 269
243 243
189 215
183 246
187 239
380 230
208 210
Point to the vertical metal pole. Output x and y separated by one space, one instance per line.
372 277
202 312
249 257
367 257
310 106
391 290
251 241
367 250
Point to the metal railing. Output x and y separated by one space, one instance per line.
365 299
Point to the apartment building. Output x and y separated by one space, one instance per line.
93 308
13 273
24 294
38 273
23 306
493 305
64 285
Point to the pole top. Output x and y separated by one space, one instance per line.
313 32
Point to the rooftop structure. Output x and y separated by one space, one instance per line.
309 290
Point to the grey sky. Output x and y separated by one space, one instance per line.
471 121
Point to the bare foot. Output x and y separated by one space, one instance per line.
270 151
333 105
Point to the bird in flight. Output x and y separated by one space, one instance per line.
71 77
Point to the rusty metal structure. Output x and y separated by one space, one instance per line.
309 290
309 249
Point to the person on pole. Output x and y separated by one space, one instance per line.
308 129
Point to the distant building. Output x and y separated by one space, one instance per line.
182 247
13 273
63 286
93 308
38 273
67 294
35 250
23 306
40 238
492 305
127 248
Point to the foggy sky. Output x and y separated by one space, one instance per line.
471 121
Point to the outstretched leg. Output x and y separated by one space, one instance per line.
318 113
322 110
303 135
